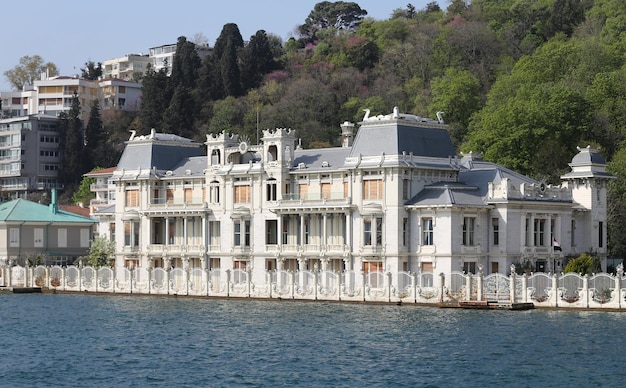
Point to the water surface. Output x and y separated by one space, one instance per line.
112 341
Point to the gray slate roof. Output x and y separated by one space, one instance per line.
393 137
156 153
314 159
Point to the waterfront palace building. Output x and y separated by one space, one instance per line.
393 198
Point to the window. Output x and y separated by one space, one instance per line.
468 230
405 232
242 194
600 234
307 229
38 243
214 233
303 191
188 193
62 238
242 233
325 190
271 190
469 267
539 238
271 232
372 226
84 238
14 237
372 266
427 231
214 192
131 233
373 189
495 227
367 231
132 198
169 194
286 229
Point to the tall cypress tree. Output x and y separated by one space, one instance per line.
155 98
225 76
72 144
95 137
179 116
256 60
185 65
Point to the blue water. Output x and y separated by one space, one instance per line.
114 341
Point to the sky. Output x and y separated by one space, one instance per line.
70 33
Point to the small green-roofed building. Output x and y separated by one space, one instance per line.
42 233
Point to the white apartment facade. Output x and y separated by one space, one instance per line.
130 67
394 199
51 96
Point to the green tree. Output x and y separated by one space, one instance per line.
535 117
256 60
584 264
154 98
178 118
101 252
185 65
95 136
340 15
457 94
616 205
220 75
91 71
28 70
84 194
72 144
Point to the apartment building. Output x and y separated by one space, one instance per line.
396 198
163 55
130 67
29 155
51 96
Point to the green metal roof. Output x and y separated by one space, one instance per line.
20 210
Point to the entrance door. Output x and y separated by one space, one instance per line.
541 266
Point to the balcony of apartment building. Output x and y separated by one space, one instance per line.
14 184
52 184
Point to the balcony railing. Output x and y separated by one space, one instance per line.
176 201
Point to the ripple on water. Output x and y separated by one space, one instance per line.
85 340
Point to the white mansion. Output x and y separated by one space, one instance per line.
395 198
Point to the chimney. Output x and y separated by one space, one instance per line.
54 205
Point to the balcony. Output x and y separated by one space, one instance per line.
470 249
101 187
